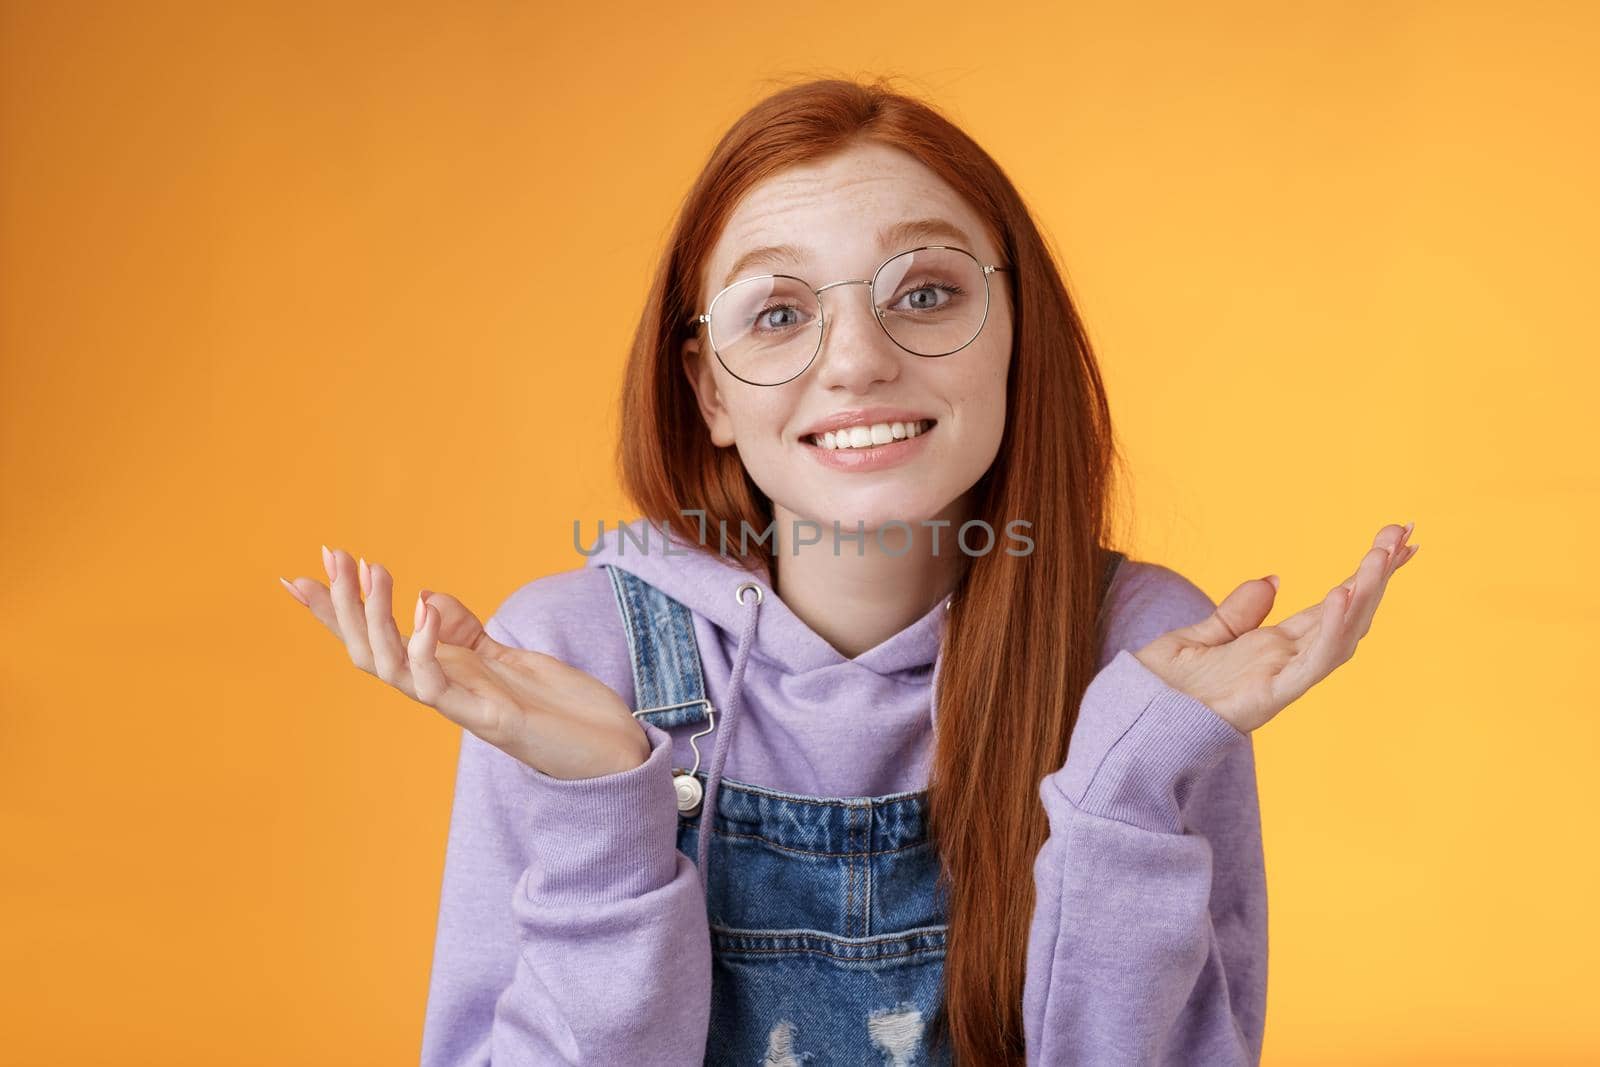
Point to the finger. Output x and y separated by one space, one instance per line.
427 676
454 680
1400 552
1404 549
388 649
294 591
457 624
1372 578
319 603
1390 539
1301 627
1302 622
1241 611
347 609
1319 651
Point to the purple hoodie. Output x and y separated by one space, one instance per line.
572 930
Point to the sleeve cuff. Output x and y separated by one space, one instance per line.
607 837
1139 746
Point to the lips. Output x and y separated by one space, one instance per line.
879 433
866 417
871 457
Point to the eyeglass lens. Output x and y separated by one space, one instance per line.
931 301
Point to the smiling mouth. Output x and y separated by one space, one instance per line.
870 435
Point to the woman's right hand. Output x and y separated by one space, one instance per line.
553 717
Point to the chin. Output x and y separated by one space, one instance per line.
874 510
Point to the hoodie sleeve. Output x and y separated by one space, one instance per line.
570 928
1148 942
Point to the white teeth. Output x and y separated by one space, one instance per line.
878 433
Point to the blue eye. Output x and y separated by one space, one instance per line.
923 300
761 316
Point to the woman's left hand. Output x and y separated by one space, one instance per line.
1246 672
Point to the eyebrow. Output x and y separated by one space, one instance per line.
900 233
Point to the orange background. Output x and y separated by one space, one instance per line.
278 275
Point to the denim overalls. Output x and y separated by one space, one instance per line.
827 924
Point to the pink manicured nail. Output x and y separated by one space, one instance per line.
421 615
366 576
330 564
1273 578
295 592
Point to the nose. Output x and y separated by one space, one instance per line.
856 352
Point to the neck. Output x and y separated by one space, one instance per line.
854 594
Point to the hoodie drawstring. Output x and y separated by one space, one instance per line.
719 751
933 683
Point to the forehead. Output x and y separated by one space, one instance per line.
842 215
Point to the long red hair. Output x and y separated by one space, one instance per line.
1022 637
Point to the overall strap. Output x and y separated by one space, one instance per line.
667 683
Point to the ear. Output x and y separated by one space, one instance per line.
700 370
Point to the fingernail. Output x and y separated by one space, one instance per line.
421 615
295 592
1407 534
366 576
330 564
1273 578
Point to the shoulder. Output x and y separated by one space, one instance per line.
1146 599
569 614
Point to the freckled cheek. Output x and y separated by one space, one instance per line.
763 427
979 402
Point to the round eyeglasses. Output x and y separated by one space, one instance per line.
931 301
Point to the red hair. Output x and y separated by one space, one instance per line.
1022 637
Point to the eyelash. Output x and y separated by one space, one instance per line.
953 290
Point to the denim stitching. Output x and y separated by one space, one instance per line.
813 852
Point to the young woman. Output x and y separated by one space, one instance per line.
916 770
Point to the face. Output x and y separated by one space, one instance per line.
832 211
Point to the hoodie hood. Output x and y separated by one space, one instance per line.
704 581
817 721
813 721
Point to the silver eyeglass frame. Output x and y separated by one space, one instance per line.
704 318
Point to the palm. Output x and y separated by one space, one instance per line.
1247 672
546 713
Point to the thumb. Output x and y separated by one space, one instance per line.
1240 612
457 624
